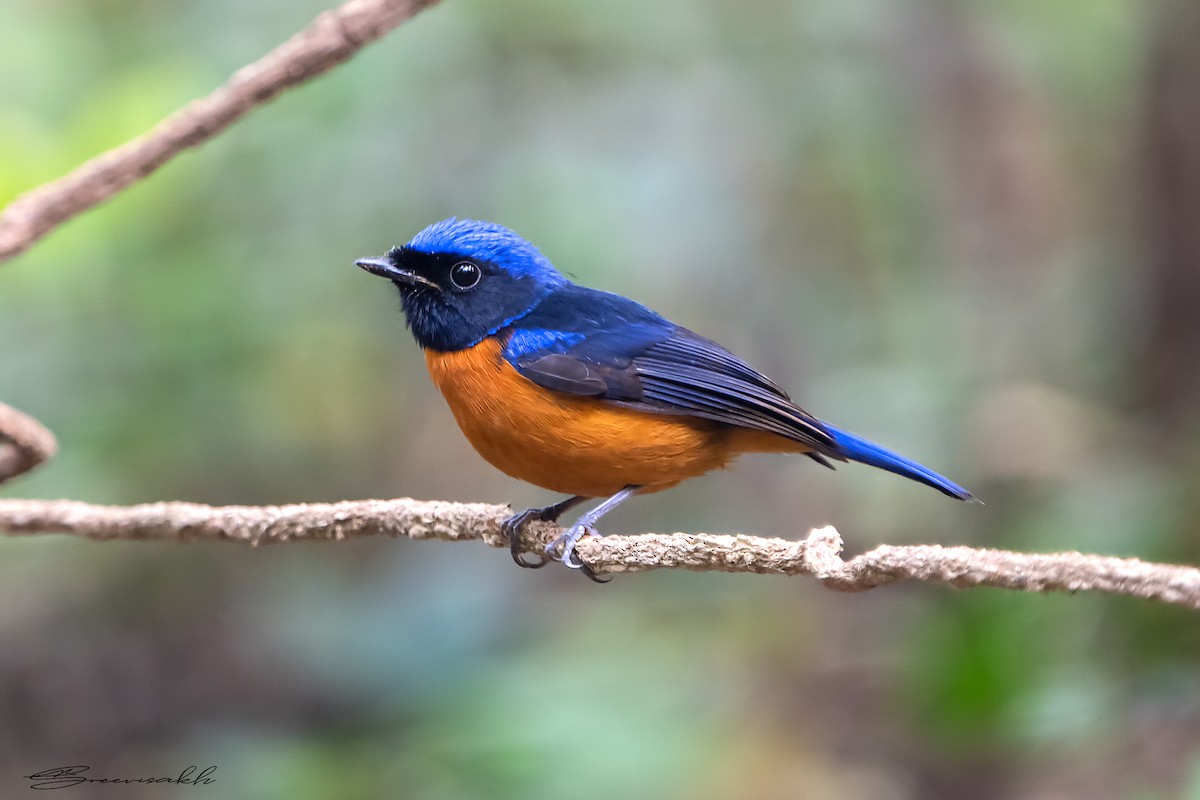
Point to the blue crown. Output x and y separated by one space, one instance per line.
486 241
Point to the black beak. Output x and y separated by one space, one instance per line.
384 268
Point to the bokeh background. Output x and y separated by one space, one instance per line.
968 230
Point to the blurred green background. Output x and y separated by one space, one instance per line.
968 230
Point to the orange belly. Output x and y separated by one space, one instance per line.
579 445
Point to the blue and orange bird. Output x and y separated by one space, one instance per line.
589 393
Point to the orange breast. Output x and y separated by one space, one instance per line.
578 445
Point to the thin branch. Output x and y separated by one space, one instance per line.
330 39
24 443
818 555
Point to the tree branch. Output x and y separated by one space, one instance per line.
330 39
818 555
24 443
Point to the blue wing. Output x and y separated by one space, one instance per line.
586 342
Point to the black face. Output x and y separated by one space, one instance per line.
452 301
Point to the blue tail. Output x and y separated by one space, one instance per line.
856 449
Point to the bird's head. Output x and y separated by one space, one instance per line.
461 280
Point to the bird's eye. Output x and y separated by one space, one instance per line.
464 275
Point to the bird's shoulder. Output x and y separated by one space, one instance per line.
583 341
579 309
602 327
593 325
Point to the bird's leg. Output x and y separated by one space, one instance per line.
586 524
513 526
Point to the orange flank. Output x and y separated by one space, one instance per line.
580 445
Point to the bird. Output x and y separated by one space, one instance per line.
588 393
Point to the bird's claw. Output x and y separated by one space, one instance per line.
568 556
522 562
588 571
563 547
511 528
571 559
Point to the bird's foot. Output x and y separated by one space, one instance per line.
567 554
563 548
514 525
512 528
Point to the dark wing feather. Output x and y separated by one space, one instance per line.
562 373
589 343
566 373
688 347
713 383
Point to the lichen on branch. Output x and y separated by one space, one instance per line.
819 554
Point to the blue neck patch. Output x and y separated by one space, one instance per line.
527 341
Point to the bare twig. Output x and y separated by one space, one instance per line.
24 443
818 555
331 38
